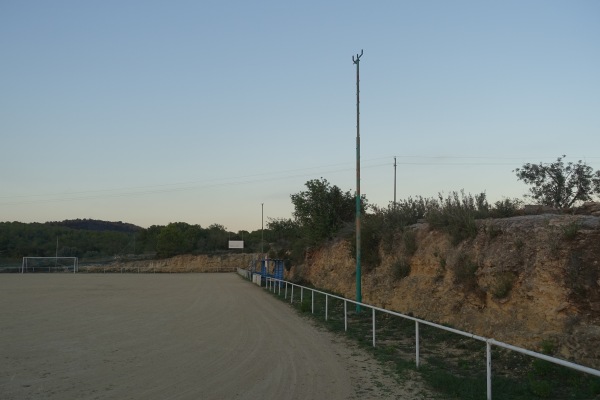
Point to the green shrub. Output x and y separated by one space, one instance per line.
503 286
506 208
519 243
464 272
492 231
570 230
540 388
401 269
409 238
456 214
370 234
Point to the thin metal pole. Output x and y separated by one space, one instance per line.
373 327
394 182
326 306
417 343
345 316
262 230
488 348
358 252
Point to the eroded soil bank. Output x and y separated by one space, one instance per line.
532 281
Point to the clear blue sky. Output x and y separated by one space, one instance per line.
152 112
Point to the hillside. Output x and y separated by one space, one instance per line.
96 225
525 280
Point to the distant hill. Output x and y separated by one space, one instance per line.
97 225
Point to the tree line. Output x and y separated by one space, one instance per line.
93 239
322 212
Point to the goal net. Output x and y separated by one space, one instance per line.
50 264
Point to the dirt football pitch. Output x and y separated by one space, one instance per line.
172 336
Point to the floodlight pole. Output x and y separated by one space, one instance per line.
356 60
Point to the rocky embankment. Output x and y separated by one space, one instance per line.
178 264
524 280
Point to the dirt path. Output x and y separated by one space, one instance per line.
171 336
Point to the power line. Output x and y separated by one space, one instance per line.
270 176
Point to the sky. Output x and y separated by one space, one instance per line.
151 112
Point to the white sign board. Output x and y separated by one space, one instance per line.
236 244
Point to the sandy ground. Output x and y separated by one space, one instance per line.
172 336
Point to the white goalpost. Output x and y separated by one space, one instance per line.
50 264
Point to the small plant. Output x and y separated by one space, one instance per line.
519 244
540 388
370 243
409 238
506 208
465 272
401 269
547 347
306 306
492 231
503 286
442 263
570 230
456 214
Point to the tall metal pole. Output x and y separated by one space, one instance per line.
356 60
394 183
262 230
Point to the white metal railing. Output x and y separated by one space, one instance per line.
273 284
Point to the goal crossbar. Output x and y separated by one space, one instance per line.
74 264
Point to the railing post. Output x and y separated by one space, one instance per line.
373 326
279 283
326 304
488 348
312 301
285 297
301 294
292 296
417 343
345 316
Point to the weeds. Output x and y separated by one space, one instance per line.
465 272
503 285
401 269
492 231
569 231
409 239
456 215
519 244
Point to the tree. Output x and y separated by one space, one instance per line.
559 185
176 238
283 228
323 209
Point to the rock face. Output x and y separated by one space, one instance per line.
524 280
